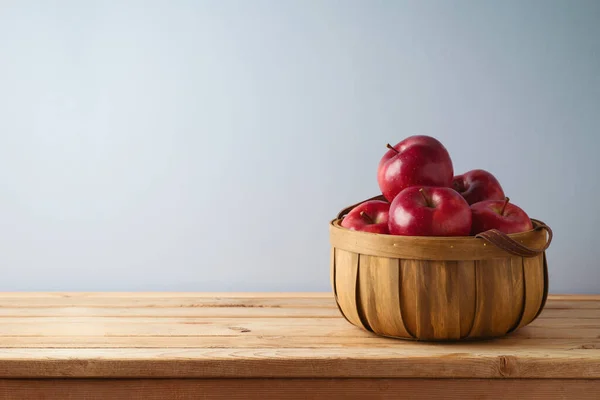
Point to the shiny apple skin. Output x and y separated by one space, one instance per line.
438 211
419 161
478 185
374 217
486 216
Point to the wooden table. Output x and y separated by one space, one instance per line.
290 346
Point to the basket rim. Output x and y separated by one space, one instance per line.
337 223
445 248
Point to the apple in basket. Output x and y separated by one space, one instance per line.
478 185
415 161
501 215
429 211
370 216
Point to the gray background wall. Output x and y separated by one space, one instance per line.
205 145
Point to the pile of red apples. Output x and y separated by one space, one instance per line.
424 198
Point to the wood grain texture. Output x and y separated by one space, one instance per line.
380 294
173 312
438 301
499 293
408 294
467 295
299 389
120 301
366 340
215 297
265 336
262 300
299 363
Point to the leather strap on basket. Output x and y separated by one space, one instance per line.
349 208
508 244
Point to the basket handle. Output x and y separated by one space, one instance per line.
349 208
508 244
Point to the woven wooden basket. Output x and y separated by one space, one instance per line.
439 288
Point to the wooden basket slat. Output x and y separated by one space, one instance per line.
436 299
533 271
346 273
519 287
499 302
380 294
408 298
467 294
360 303
546 286
333 268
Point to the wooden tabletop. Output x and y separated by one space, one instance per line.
265 335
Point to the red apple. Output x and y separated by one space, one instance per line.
370 216
416 161
429 211
478 185
501 215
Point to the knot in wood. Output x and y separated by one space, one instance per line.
507 366
240 329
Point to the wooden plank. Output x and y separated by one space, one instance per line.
155 302
236 295
295 354
571 304
193 335
170 312
168 295
339 333
298 363
541 332
575 297
240 311
299 389
361 340
119 301
592 299
556 323
107 326
586 313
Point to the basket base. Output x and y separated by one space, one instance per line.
423 340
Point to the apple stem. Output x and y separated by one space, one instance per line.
506 200
366 217
389 146
422 191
